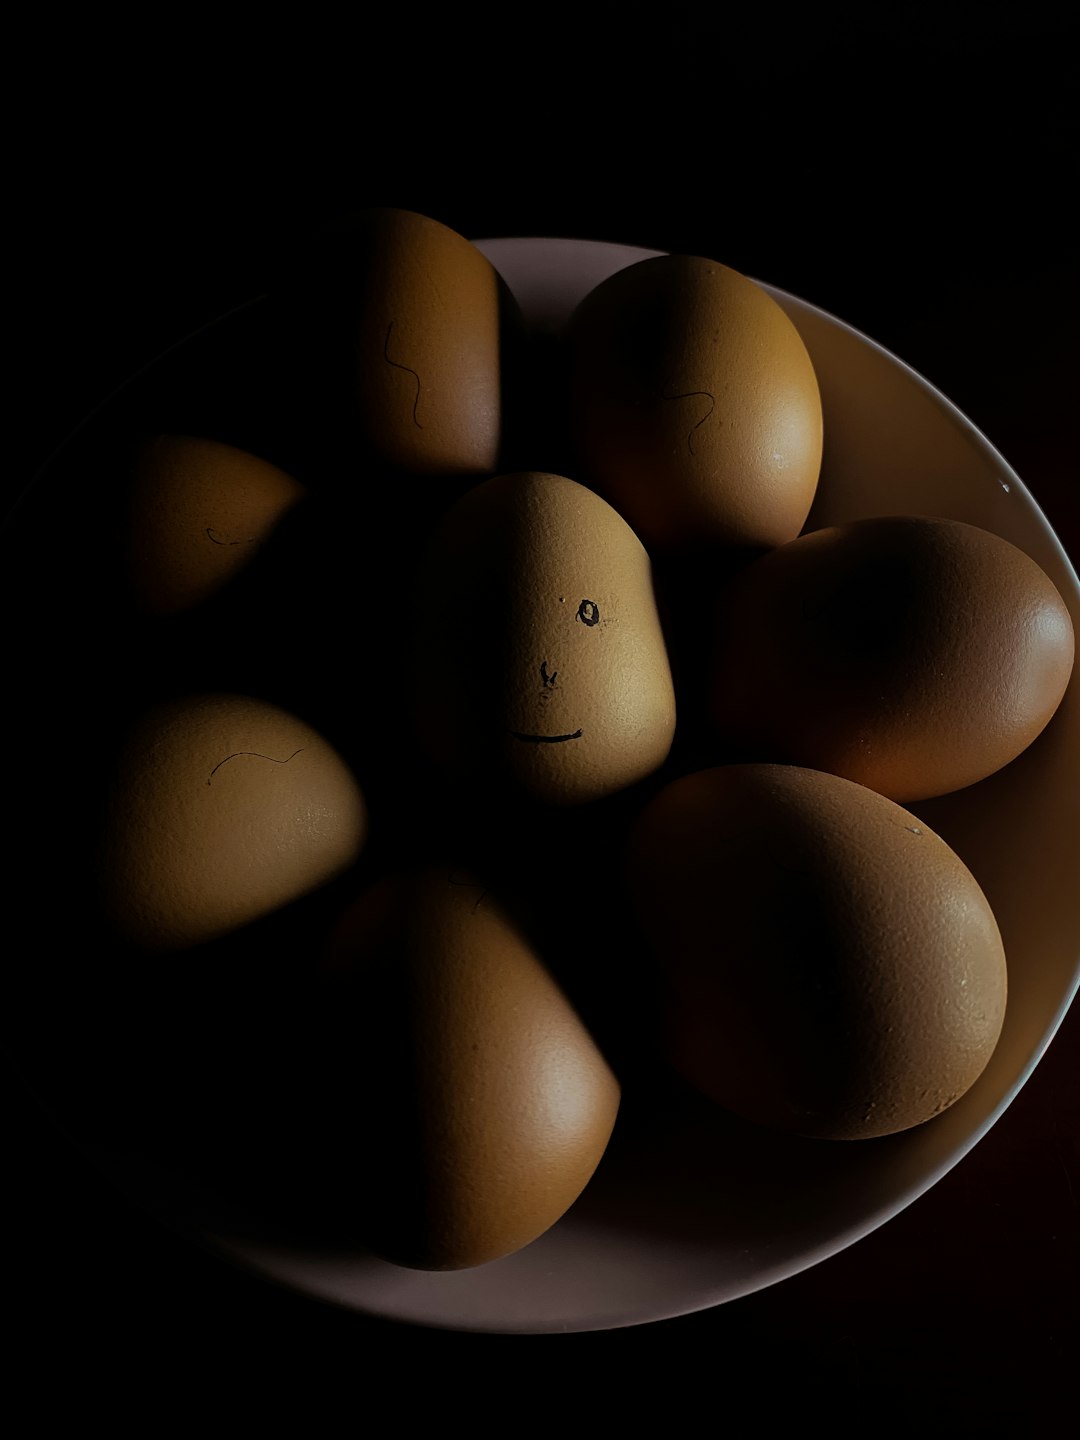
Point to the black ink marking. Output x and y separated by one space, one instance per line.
468 885
545 739
255 755
588 612
695 395
249 541
408 370
549 680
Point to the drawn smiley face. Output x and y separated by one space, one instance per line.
588 614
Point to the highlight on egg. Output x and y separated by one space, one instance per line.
541 664
695 409
829 966
223 809
477 1105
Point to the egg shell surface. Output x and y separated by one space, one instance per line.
428 345
198 512
695 407
830 965
480 1103
541 662
913 655
223 809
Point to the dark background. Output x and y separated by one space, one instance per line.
913 171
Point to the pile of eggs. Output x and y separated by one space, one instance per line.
644 803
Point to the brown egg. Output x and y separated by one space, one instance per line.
480 1104
428 345
695 406
223 809
542 665
912 655
832 967
198 512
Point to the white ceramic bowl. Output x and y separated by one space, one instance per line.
692 1210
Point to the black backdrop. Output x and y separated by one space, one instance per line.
911 170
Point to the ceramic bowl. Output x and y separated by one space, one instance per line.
688 1208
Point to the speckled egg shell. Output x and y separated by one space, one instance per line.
428 346
223 809
913 655
831 966
695 406
198 512
480 1104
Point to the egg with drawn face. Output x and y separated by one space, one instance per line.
541 664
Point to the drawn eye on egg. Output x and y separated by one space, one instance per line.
588 612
